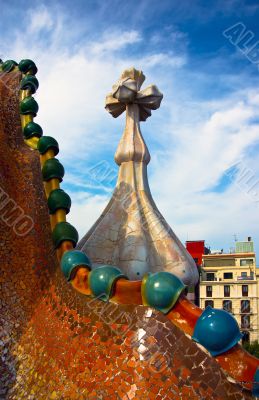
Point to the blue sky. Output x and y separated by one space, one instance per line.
204 140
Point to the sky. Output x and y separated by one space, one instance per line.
203 140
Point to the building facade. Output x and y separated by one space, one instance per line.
230 281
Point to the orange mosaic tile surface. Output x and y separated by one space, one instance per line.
56 343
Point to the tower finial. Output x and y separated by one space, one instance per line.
126 95
127 91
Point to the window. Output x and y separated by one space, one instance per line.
247 261
246 337
228 275
209 303
245 290
210 276
226 291
227 305
209 291
244 274
245 306
245 321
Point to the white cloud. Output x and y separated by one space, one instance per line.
115 41
159 59
40 19
85 210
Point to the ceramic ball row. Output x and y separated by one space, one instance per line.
216 330
24 66
101 279
29 82
28 106
160 290
58 199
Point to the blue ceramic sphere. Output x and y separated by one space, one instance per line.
216 330
102 279
73 259
161 290
255 389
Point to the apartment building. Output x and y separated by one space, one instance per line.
230 281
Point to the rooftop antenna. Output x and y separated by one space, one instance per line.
235 237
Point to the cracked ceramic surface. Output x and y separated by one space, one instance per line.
131 232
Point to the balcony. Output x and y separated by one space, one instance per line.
246 278
209 280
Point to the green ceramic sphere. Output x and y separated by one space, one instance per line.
64 231
27 66
58 199
32 129
52 168
29 82
29 106
161 290
102 279
47 142
8 65
71 260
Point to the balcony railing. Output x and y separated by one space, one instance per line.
238 278
246 278
244 311
210 280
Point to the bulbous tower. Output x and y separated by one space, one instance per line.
131 232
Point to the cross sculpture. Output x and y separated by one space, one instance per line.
126 95
127 91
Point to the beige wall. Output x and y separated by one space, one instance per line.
236 296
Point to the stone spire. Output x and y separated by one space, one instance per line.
131 233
